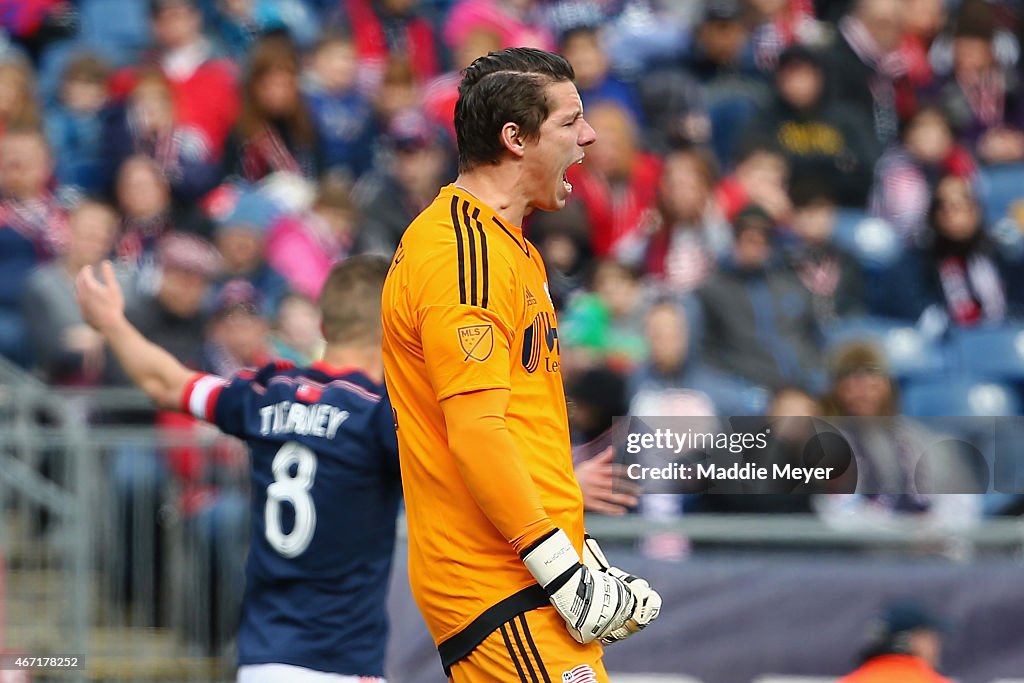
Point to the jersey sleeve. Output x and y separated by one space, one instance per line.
467 324
228 404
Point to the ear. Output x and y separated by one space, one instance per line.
512 139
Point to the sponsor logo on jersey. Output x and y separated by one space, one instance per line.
531 300
540 334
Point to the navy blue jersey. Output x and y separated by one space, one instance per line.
325 496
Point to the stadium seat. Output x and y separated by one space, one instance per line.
1000 187
909 352
991 352
872 241
962 396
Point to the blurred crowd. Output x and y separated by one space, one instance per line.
793 207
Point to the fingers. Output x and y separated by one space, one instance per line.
604 456
109 278
611 503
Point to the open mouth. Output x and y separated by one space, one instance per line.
565 177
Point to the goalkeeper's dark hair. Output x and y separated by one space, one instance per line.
350 300
504 87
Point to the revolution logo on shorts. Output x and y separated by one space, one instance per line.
580 674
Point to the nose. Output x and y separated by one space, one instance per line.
587 135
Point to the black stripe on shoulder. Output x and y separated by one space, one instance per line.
460 645
461 248
522 245
484 263
473 298
533 648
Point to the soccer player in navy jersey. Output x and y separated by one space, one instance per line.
325 478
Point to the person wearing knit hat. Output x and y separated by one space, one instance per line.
241 237
860 382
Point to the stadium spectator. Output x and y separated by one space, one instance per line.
959 269
984 98
387 31
616 184
342 113
174 315
237 24
789 429
147 124
923 21
781 24
721 61
415 165
866 54
605 326
829 273
238 336
241 239
596 396
903 644
562 239
674 108
275 132
819 139
665 383
906 175
582 47
204 87
144 200
19 107
901 468
760 176
304 247
516 21
33 227
440 94
68 351
296 332
398 92
758 320
74 125
690 236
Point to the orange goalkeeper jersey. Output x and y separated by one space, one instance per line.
466 308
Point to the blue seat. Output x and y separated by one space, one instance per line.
1000 187
991 352
961 396
908 352
872 241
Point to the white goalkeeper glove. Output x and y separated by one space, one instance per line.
592 603
648 602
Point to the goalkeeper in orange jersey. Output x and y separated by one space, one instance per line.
510 586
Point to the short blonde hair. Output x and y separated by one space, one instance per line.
350 300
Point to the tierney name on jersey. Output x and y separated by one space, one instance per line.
316 419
